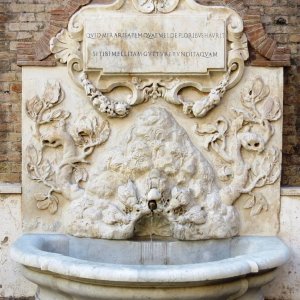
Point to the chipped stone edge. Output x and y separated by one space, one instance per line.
10 188
290 191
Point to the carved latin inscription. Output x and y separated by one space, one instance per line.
193 43
184 44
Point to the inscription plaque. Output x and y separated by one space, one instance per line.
154 44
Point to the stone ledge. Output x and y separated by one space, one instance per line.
21 298
16 188
290 191
10 188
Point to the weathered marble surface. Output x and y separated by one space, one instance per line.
118 149
158 38
258 144
117 174
79 270
286 284
156 161
12 284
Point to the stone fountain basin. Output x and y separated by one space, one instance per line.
66 267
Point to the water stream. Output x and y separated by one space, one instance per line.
153 251
151 234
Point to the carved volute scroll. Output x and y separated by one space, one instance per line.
80 63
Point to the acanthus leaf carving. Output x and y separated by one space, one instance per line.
155 89
63 46
251 130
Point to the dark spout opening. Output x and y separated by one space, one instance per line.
152 205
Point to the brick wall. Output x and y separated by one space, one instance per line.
26 20
281 19
20 20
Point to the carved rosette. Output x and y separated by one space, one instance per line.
154 6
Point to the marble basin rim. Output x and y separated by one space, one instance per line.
245 255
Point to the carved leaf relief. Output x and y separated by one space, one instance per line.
257 203
64 176
80 174
250 130
156 167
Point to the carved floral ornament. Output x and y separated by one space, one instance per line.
250 130
157 162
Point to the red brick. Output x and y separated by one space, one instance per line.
16 87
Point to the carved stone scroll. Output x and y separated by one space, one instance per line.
231 46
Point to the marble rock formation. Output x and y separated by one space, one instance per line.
157 182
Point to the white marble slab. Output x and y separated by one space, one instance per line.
127 44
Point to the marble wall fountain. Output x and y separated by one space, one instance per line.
152 158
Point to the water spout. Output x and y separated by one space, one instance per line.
152 205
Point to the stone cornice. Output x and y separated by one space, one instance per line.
10 188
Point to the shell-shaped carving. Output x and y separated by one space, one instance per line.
63 46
